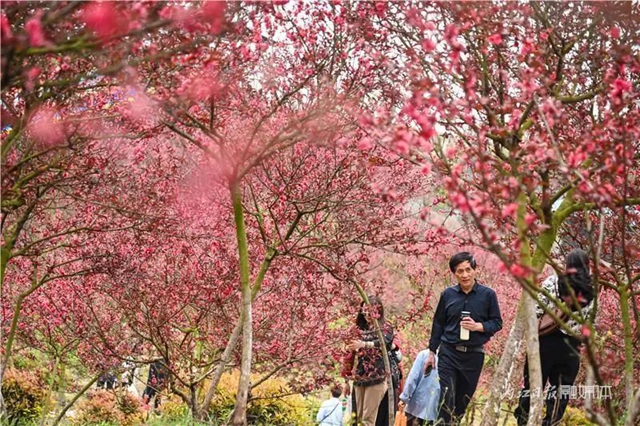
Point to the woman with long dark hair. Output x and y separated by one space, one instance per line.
370 378
560 349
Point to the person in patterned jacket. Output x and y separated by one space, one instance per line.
560 348
370 377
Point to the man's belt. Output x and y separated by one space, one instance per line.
462 348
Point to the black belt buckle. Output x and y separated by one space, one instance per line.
461 348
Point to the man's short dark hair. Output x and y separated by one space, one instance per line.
458 258
336 391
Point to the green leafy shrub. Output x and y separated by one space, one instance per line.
174 409
184 421
107 408
26 361
268 407
24 394
575 417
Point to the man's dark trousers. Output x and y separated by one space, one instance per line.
459 374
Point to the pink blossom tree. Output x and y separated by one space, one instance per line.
252 105
254 108
293 140
60 62
537 124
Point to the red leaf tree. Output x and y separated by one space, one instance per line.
60 62
536 108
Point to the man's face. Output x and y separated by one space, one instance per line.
465 274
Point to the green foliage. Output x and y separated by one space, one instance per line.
313 405
339 324
224 400
24 394
106 408
174 410
269 406
186 420
26 361
575 417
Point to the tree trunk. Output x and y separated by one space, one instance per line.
625 310
533 355
62 384
3 408
50 388
239 417
6 359
531 323
75 398
4 259
503 377
634 411
193 398
233 340
201 414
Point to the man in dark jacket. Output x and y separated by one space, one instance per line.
466 317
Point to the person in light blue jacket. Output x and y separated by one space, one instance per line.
421 392
330 413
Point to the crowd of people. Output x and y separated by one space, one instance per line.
444 377
157 380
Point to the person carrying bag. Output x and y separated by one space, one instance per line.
560 348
